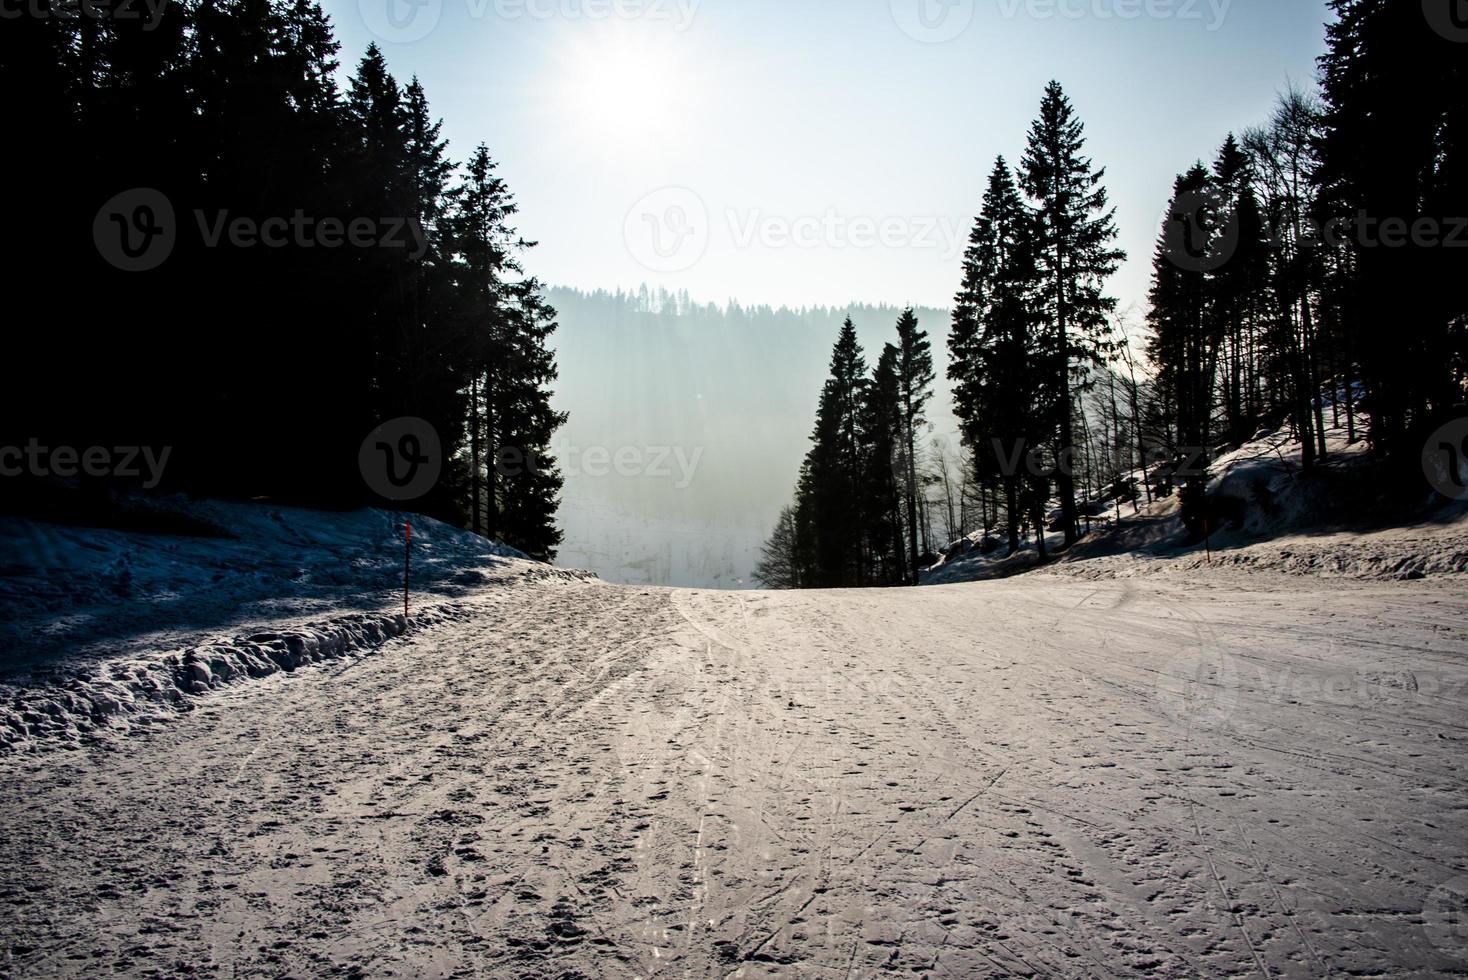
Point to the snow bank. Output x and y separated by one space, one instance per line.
70 594
106 629
118 695
1265 513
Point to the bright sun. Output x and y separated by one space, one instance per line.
623 90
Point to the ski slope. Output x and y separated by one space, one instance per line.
1039 777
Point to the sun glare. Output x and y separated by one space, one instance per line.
624 90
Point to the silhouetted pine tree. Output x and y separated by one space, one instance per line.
381 184
530 492
1075 253
914 387
435 361
1000 377
509 366
1284 157
828 511
881 501
1184 344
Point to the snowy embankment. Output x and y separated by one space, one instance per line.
1268 515
107 630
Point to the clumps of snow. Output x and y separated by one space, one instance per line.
115 696
978 557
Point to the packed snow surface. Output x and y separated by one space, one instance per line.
1231 775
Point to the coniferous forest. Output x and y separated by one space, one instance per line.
331 265
301 261
1299 282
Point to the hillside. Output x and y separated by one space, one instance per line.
1268 514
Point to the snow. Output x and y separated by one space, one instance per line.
1238 775
105 630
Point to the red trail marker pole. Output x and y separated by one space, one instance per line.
407 564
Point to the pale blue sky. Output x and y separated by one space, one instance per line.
820 151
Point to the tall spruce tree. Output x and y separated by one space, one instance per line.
828 504
434 345
881 499
914 387
996 360
527 424
1074 249
1184 345
1238 287
509 367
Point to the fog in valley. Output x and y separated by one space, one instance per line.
708 409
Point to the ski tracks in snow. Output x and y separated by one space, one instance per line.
1035 777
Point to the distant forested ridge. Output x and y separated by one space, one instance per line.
300 260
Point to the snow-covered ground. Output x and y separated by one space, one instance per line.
104 629
1226 776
